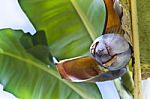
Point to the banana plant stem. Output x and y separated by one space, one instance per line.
137 66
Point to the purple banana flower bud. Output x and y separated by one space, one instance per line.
111 51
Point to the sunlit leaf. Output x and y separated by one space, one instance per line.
66 33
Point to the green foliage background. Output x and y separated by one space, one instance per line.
25 75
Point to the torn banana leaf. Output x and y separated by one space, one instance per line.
37 46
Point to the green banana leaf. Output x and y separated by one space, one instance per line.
144 35
67 35
29 78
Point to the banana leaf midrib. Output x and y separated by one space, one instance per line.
49 71
84 20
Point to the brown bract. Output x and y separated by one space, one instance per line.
79 68
113 22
